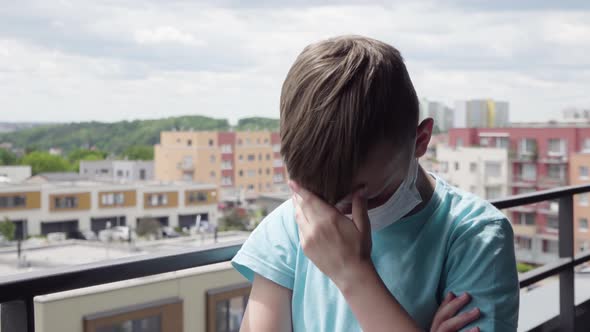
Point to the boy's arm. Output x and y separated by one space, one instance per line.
269 307
481 262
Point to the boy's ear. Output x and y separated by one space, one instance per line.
423 134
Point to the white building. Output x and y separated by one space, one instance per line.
482 171
43 208
481 113
118 170
14 173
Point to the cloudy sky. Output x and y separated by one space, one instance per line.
78 60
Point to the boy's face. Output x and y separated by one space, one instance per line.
383 172
386 168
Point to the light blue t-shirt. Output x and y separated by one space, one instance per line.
458 243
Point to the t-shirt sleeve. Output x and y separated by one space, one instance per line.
481 262
271 249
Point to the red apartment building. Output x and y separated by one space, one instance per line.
539 157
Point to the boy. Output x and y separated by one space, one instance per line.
370 240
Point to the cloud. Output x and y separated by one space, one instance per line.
111 60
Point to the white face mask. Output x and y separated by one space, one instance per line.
404 200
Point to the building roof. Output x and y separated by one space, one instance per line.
57 177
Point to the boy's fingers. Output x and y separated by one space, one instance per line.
459 321
299 216
310 204
360 216
454 306
438 316
450 296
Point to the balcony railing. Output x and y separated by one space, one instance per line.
17 291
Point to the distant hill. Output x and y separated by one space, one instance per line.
6 127
115 137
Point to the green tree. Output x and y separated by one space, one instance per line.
7 157
139 152
233 220
523 267
75 156
7 229
41 162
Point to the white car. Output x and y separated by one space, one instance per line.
117 233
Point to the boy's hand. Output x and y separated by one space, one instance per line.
445 319
338 246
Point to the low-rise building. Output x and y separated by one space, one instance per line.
118 170
14 173
42 208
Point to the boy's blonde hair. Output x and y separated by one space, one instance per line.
341 97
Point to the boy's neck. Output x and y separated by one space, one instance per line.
425 185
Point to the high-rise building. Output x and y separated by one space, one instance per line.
481 113
539 159
243 161
440 113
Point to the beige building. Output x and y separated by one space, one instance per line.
247 161
43 208
579 173
204 299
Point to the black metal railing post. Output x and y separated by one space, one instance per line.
567 306
15 316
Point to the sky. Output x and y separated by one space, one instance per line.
112 60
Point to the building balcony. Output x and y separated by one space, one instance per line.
160 281
519 181
186 167
551 182
523 157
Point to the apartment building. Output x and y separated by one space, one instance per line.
539 158
42 208
481 171
117 170
442 115
481 113
247 161
579 173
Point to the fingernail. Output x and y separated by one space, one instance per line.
474 310
474 329
464 296
362 192
452 294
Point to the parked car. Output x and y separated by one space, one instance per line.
117 233
82 235
168 231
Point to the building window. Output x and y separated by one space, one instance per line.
258 141
247 141
493 168
212 174
484 141
241 173
556 172
226 164
523 242
556 146
241 157
226 148
226 181
277 178
158 316
212 159
111 199
277 163
225 308
260 171
444 166
529 172
459 143
259 156
550 247
583 224
251 157
586 145
268 171
239 141
472 167
157 199
189 142
268 185
142 174
502 142
251 173
13 201
583 170
583 199
67 202
268 156
266 141
119 173
456 166
197 197
211 142
276 148
250 187
527 219
528 146
552 222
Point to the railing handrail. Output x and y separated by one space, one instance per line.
539 196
